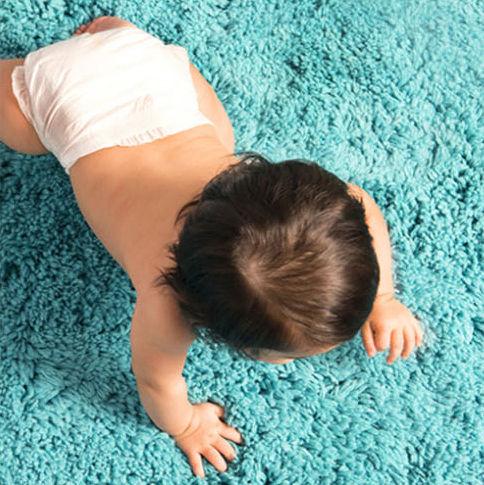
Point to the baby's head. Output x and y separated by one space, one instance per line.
274 260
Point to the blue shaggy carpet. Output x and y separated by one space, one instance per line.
384 93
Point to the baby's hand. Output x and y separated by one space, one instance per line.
205 437
391 323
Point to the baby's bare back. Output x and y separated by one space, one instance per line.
130 196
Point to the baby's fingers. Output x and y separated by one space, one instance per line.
230 433
418 333
396 345
409 340
382 336
195 460
367 336
215 458
224 448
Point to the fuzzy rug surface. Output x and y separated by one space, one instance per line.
384 93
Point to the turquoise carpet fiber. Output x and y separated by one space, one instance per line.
386 94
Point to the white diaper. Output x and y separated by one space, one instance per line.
116 87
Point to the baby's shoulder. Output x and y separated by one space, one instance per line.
158 318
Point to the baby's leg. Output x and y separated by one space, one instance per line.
15 129
102 23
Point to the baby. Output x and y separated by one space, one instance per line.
277 260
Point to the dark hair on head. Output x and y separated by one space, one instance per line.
274 256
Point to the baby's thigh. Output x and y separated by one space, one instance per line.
15 129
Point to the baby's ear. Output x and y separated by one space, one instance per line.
355 189
365 198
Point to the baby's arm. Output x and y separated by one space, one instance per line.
160 340
159 345
381 240
390 323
